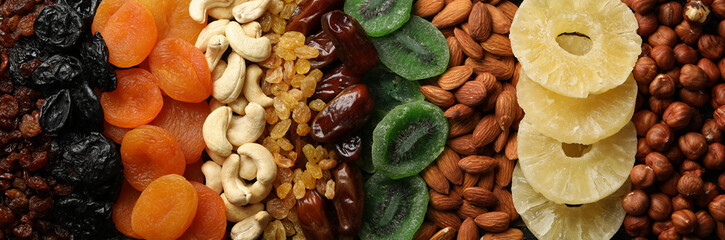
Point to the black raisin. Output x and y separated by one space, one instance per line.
84 217
86 160
56 112
98 71
57 71
58 25
24 57
87 110
85 8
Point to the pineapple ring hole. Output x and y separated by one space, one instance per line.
575 150
575 43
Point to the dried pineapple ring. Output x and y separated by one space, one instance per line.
577 120
549 220
575 173
546 37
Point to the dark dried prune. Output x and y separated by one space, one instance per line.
97 70
85 8
56 71
58 25
86 160
24 57
56 112
84 217
87 111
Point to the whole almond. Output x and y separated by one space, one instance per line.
512 148
506 109
477 164
510 234
472 93
427 8
488 79
501 67
463 145
452 14
504 170
445 202
468 210
505 202
479 196
468 230
438 96
443 219
490 104
517 74
486 131
456 53
463 126
435 179
469 46
498 44
454 77
499 22
508 8
458 111
487 180
447 233
469 180
448 165
501 141
479 22
425 231
493 221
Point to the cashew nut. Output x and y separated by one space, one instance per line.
214 131
252 29
229 85
224 12
251 227
252 49
218 70
248 11
215 49
212 176
238 213
197 8
247 168
215 157
217 27
239 192
248 128
252 90
239 104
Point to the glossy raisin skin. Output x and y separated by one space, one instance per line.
349 198
306 18
86 9
56 112
86 160
86 109
354 47
58 25
334 81
343 115
57 71
323 44
99 73
25 57
314 216
349 149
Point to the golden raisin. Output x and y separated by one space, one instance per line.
298 190
303 129
285 144
274 75
279 88
287 10
308 180
278 24
276 208
301 113
306 52
310 152
297 81
271 144
327 164
317 105
302 66
316 74
282 161
270 115
314 170
330 189
308 87
280 129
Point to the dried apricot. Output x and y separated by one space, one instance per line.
193 172
113 132
128 29
165 208
210 221
173 20
123 207
149 152
181 70
184 121
136 101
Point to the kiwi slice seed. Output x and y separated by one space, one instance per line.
379 17
394 209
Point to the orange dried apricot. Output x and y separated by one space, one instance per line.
184 121
149 152
210 221
128 29
193 172
114 133
173 20
165 208
123 207
136 101
181 70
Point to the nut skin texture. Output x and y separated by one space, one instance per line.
635 202
647 23
693 145
669 13
669 186
693 77
659 227
684 221
695 99
642 176
717 208
660 137
642 149
675 155
664 56
679 202
689 185
660 164
663 36
705 224
660 207
718 6
715 157
697 12
678 115
719 116
710 191
637 226
711 132
658 105
684 54
669 234
711 70
711 46
645 71
643 121
643 6
688 33
718 93
663 86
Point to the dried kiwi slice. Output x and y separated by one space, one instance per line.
366 154
408 139
389 89
415 51
379 17
394 209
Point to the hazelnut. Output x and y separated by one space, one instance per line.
715 157
689 167
643 120
718 6
697 99
693 77
646 48
709 193
639 101
721 26
705 224
660 165
670 13
711 132
643 6
693 145
635 202
660 137
685 54
661 226
675 155
660 207
647 23
684 221
689 185
720 230
719 116
696 122
679 202
721 181
637 226
696 12
717 208
678 115
675 74
721 67
642 149
658 105
642 176
669 186
644 71
718 94
688 33
663 56
711 46
663 36
710 69
669 234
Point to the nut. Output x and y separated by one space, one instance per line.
659 105
239 192
718 94
642 149
717 208
679 202
711 70
660 137
693 77
435 179
486 131
642 176
443 219
479 22
637 225
689 185
446 233
711 132
718 6
229 85
693 145
506 108
471 94
456 58
198 8
669 234
468 230
670 13
468 210
458 112
645 71
660 207
493 221
510 234
715 157
711 46
469 46
499 22
212 176
251 227
684 221
427 8
635 202
445 202
719 116
248 128
705 224
659 227
691 168
696 12
663 36
252 49
647 23
438 96
447 163
250 10
688 33
684 54
664 56
480 196
663 86
498 44
215 131
643 6
678 115
454 77
669 186
477 164
660 165
452 14
696 99
709 193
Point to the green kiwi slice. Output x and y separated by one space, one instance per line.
417 50
366 133
389 89
408 139
394 209
379 17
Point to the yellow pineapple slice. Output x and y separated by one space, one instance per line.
577 120
576 47
575 173
550 220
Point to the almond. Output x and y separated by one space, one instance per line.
438 96
488 80
463 126
445 202
443 219
456 53
454 13
508 8
498 44
468 230
469 180
480 196
501 141
479 22
501 67
448 165
505 202
463 145
493 221
490 104
468 210
435 179
517 74
512 147
499 22
505 170
458 111
477 164
472 93
469 46
506 109
455 77
425 231
427 8
444 234
486 131
510 234
487 180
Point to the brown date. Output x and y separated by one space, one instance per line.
349 148
354 47
323 43
343 115
333 82
306 18
349 198
313 216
